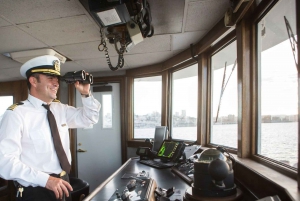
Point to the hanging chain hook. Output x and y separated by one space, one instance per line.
102 47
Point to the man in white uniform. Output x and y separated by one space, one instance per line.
28 153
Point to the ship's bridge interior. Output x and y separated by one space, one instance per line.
216 74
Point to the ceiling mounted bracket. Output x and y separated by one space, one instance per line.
236 12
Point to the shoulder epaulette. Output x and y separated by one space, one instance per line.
12 107
56 101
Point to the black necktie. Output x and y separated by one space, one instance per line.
65 165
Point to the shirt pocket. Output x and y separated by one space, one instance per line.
40 142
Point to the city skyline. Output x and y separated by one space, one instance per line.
181 119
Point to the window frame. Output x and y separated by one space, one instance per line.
219 46
245 31
245 35
262 11
229 38
131 141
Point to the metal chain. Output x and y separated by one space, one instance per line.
102 47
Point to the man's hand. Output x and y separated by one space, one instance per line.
59 187
82 88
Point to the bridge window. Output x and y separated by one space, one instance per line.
184 103
224 97
278 85
147 106
107 111
5 101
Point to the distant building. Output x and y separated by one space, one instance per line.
293 118
266 119
276 119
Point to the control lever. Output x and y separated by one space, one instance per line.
142 181
164 192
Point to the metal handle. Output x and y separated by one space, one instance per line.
81 150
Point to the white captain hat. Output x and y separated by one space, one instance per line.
46 64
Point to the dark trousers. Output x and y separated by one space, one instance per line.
40 193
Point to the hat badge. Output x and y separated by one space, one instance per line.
56 65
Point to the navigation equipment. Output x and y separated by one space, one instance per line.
171 150
168 154
159 136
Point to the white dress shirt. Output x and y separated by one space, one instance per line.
27 153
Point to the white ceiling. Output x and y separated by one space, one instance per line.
65 26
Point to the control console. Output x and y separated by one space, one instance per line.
135 190
186 170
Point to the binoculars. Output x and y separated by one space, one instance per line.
81 76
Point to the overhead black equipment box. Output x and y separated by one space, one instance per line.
109 12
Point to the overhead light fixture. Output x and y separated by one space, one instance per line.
24 56
108 13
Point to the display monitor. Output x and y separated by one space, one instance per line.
160 135
171 150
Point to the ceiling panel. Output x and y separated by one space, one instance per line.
183 41
157 43
139 60
6 62
66 27
98 64
207 13
79 51
26 11
63 31
4 22
13 39
167 16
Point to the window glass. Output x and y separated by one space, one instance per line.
5 101
147 106
224 97
107 111
184 103
277 85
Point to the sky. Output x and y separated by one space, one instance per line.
279 95
6 101
279 88
279 76
148 96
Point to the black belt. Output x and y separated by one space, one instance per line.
63 175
